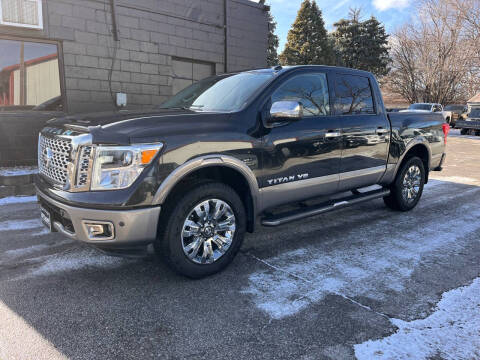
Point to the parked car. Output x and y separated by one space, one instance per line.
471 125
192 176
458 111
430 107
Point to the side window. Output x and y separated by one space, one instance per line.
353 95
311 90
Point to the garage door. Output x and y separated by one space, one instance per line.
186 72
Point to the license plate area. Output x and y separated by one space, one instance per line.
46 218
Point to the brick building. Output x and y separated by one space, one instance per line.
86 51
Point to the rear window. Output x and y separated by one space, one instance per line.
353 95
475 113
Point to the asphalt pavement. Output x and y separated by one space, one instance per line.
363 282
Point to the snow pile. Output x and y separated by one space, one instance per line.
452 331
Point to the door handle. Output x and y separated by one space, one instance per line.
381 131
332 134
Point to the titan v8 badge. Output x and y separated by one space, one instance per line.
285 179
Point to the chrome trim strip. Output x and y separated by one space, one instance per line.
285 193
363 172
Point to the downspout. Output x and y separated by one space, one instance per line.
114 21
225 29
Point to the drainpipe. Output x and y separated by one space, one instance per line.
114 20
225 29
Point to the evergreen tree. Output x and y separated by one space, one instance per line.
272 54
362 44
308 41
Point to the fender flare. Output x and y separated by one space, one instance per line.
392 169
206 161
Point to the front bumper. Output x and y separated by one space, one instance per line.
131 227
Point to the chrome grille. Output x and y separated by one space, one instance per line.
84 162
53 158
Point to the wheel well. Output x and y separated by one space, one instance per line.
225 175
421 152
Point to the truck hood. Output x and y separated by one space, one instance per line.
145 126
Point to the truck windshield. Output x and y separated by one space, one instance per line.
420 107
226 93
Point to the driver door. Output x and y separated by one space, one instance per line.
303 155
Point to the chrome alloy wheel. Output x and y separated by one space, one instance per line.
208 231
411 183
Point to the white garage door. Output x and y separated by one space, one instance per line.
186 72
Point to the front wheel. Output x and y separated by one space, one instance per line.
463 131
407 188
202 230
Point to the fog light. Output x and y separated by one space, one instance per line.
99 230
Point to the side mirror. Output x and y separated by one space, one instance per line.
284 111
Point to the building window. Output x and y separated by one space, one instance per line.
186 72
21 13
29 75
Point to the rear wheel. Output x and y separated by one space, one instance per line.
407 188
463 131
202 231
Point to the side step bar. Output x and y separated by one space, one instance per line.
297 214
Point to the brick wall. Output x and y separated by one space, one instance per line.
150 33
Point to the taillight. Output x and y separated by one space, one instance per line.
446 129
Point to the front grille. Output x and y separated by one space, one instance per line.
53 158
84 166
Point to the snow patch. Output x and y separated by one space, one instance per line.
20 225
76 261
372 265
15 253
18 171
17 200
452 331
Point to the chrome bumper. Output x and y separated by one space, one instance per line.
131 227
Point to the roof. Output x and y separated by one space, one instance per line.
475 99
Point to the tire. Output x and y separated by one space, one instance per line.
407 189
463 131
205 247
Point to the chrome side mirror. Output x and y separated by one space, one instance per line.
285 111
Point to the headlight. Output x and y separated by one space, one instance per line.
117 167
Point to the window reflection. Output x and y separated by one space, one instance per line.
353 95
29 74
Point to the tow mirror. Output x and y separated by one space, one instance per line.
285 111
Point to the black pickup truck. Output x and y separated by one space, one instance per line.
471 125
194 174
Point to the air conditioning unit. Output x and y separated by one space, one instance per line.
21 13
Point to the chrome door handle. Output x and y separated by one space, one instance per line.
382 131
332 134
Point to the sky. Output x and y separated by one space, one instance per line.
391 13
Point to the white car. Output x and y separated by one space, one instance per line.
429 107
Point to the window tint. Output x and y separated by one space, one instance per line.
29 74
353 95
311 90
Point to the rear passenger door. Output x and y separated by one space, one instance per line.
365 132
